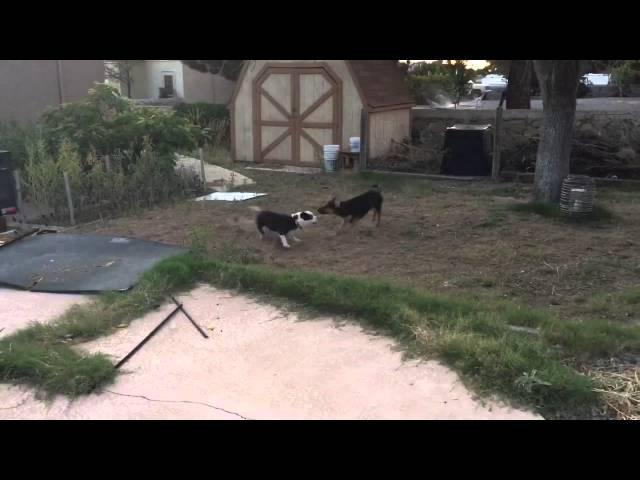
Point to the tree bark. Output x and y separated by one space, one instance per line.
558 85
519 86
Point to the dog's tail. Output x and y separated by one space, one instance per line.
255 208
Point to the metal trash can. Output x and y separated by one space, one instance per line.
577 195
467 151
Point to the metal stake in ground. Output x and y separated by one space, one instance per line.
148 337
189 317
67 188
202 169
495 163
20 204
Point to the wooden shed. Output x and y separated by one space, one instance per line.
284 111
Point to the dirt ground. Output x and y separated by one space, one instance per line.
448 237
260 362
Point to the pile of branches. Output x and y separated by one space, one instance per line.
620 391
601 157
404 157
597 157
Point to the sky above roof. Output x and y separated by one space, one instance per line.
474 64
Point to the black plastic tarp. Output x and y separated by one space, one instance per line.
65 263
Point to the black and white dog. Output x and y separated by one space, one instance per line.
283 224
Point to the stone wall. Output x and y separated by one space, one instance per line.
601 138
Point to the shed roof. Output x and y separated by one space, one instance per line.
380 82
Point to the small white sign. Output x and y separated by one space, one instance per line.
230 196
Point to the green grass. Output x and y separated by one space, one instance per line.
539 208
42 355
495 218
631 296
473 337
622 305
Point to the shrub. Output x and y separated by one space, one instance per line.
105 122
97 190
42 178
14 137
625 75
74 138
213 119
431 89
201 113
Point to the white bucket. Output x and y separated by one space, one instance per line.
330 157
330 164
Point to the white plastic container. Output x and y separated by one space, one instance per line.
330 157
354 144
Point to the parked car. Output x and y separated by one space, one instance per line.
596 79
488 83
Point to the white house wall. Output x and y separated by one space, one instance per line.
205 87
148 78
190 85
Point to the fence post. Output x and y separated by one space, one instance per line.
202 174
107 162
364 140
16 176
495 167
67 188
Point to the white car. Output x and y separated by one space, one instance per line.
596 79
488 83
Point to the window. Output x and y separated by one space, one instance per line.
167 90
168 83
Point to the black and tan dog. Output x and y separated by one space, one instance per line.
353 210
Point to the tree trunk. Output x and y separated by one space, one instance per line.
558 85
519 86
128 86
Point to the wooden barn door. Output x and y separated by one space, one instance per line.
296 111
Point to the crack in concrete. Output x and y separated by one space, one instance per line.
15 406
180 401
286 317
